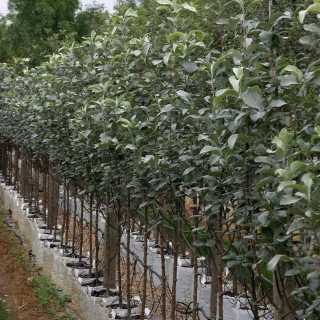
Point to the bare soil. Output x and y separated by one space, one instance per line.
20 300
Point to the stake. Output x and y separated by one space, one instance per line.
81 230
128 252
106 249
163 272
97 242
90 234
74 220
145 258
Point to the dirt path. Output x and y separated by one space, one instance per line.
14 288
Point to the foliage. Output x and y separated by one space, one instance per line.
32 22
92 17
3 313
220 112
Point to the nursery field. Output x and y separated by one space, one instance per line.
165 165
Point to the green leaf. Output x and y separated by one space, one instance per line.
285 136
307 40
253 99
264 159
277 103
188 7
263 182
292 185
270 39
210 243
272 264
165 2
278 16
234 82
199 243
130 146
52 97
252 47
302 15
97 117
264 217
288 199
292 272
143 204
256 115
166 58
214 158
307 179
221 94
313 8
184 158
131 13
312 28
222 21
166 108
104 138
161 185
178 34
190 67
282 142
188 171
147 158
315 148
125 121
288 80
238 72
297 224
95 88
296 165
207 149
163 8
232 140
314 275
294 70
110 102
86 133
184 95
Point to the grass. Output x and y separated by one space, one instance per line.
47 296
3 313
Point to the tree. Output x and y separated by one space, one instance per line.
3 38
33 22
141 118
92 17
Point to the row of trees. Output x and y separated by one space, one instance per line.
216 102
35 29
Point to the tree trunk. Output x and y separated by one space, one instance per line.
282 289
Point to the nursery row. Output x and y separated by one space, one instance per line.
200 135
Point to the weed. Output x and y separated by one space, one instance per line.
2 218
46 294
3 313
65 298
